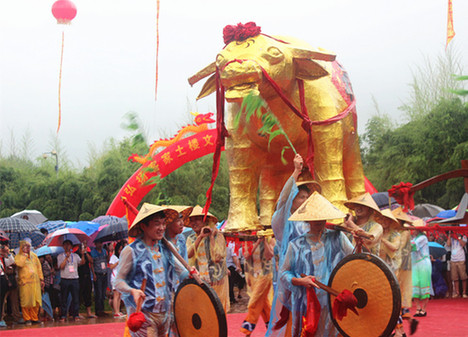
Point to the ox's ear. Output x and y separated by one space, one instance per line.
315 54
207 71
208 88
307 69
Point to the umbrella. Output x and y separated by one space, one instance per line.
426 210
52 226
110 220
4 236
436 250
19 229
46 250
36 238
11 225
113 232
75 235
88 227
32 215
93 236
381 199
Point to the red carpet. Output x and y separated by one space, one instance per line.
446 317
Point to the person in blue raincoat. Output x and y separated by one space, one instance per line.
148 258
295 191
313 256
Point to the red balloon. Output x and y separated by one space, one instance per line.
64 11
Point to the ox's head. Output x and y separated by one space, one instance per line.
244 59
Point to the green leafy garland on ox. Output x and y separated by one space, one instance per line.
254 104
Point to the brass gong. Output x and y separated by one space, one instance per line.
198 311
378 293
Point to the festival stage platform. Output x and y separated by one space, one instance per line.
445 317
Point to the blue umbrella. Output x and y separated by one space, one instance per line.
86 226
436 250
46 250
52 226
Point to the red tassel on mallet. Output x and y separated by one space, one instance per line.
136 320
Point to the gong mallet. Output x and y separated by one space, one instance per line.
343 301
181 260
136 320
347 230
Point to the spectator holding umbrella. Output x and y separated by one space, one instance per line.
68 263
99 256
84 276
30 282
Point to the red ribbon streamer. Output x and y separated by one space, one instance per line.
157 52
311 319
60 85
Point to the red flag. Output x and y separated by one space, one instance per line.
450 30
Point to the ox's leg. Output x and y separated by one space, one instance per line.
244 160
328 145
272 179
352 164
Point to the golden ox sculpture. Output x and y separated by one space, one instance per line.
254 62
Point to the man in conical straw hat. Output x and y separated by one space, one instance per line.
295 191
175 227
259 278
148 258
364 208
390 242
390 250
403 273
207 252
313 254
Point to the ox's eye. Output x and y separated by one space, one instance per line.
274 55
219 59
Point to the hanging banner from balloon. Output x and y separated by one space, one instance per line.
64 11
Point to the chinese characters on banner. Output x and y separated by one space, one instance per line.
165 162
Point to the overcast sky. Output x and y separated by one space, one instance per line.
109 59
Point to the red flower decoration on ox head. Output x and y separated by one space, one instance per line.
240 32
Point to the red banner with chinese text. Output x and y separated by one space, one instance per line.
163 163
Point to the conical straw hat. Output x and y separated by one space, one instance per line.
145 211
364 200
316 208
305 178
198 211
183 212
387 214
400 215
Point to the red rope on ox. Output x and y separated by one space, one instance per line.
221 135
344 301
403 195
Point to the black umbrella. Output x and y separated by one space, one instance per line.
113 232
14 225
381 199
426 210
